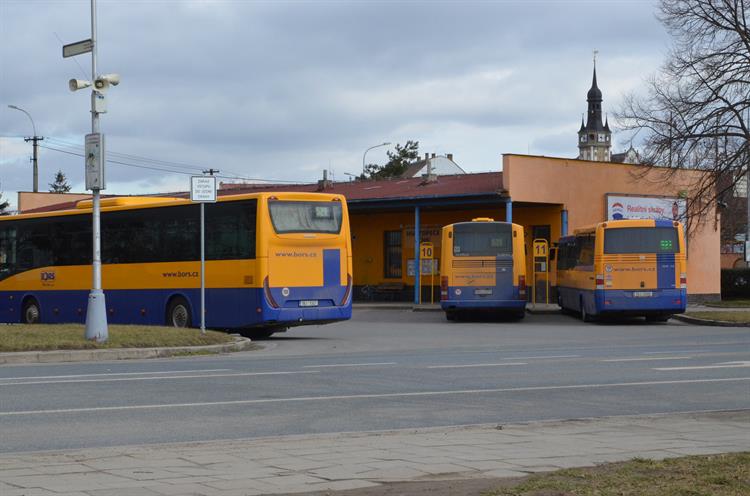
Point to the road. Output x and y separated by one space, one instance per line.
385 369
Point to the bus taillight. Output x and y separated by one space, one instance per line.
444 288
600 281
522 287
269 296
683 280
348 290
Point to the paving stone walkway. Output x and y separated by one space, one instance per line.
295 464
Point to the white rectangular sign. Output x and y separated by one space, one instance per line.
94 161
203 189
77 48
646 207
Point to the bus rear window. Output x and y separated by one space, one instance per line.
305 217
482 239
641 240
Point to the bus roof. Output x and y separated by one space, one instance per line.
136 202
623 223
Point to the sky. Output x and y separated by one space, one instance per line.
281 90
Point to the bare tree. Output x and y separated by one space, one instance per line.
696 110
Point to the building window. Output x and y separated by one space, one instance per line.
392 252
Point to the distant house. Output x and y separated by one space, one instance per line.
434 164
630 156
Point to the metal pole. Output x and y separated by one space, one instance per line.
203 270
36 166
365 154
417 265
96 312
35 142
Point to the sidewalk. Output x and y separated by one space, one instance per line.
295 464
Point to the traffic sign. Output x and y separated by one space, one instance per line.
203 189
426 250
540 248
77 48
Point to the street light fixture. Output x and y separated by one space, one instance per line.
35 140
365 154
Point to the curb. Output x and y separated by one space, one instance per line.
57 356
707 322
430 308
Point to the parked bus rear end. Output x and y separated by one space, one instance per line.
641 268
483 268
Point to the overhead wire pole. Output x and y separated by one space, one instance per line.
35 140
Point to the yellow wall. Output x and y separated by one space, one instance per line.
581 186
368 236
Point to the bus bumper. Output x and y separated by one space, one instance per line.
661 301
464 298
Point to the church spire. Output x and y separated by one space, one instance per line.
594 137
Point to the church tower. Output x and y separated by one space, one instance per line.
594 137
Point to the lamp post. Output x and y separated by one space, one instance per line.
365 154
35 140
96 312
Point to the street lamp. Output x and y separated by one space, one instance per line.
365 154
96 312
35 139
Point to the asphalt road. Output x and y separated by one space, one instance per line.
381 370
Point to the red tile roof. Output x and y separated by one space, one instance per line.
484 183
400 188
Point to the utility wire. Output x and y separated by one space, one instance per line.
173 171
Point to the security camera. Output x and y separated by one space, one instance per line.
78 84
103 82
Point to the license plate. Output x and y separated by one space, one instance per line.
482 292
642 294
308 303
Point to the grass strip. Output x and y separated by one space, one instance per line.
728 304
46 337
738 316
712 475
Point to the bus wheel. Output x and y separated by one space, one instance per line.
178 313
450 315
258 333
657 318
30 312
585 316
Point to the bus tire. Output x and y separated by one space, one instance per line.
520 315
585 316
657 318
178 313
30 313
450 315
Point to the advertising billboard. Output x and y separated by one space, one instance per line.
646 207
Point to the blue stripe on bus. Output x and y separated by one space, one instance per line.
226 307
665 271
663 223
332 267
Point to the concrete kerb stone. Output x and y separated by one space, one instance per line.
709 322
239 344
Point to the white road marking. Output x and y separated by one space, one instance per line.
37 377
348 365
674 352
475 365
368 396
542 357
649 359
724 365
160 378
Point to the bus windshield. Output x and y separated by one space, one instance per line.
482 239
305 217
641 240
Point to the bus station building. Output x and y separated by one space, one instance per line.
550 197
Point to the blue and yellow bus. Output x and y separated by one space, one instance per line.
273 260
624 267
483 268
